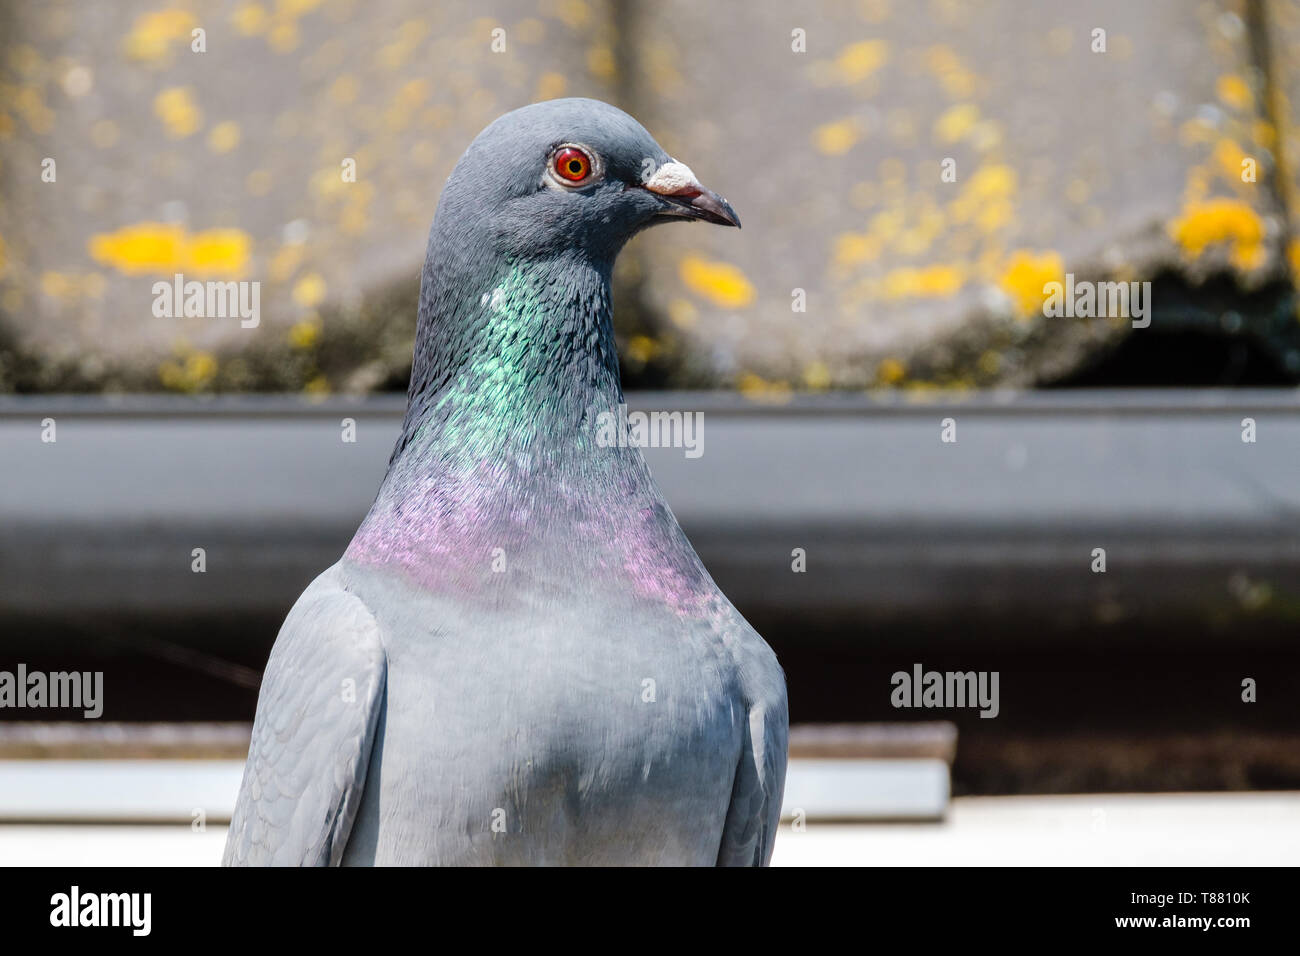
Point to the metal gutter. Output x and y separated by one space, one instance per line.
898 526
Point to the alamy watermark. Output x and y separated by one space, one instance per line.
129 910
946 689
208 300
620 428
55 690
1084 299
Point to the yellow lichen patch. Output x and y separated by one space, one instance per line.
343 90
1216 221
1234 91
328 182
179 113
858 61
956 122
26 60
286 261
835 139
250 19
164 248
854 248
1197 184
1264 132
354 218
873 11
295 8
946 66
928 282
1195 131
317 387
758 389
573 13
413 94
190 373
550 86
927 224
1228 156
284 37
985 200
659 65
224 137
888 222
148 247
683 314
59 285
218 252
153 34
29 103
1025 273
1293 256
890 371
719 282
601 63
304 334
990 363
393 56
641 349
816 376
309 291
530 30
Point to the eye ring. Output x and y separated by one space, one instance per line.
573 166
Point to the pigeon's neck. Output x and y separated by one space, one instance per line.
505 456
514 365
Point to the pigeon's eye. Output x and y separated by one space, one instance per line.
571 164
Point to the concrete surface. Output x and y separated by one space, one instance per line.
1246 829
1249 829
178 790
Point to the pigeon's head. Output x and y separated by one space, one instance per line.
570 174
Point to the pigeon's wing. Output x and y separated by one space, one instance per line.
755 810
316 714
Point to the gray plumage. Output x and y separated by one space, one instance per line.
520 659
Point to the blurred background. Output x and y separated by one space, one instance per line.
910 177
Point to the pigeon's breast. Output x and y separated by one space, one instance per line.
602 733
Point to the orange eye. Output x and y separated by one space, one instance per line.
572 164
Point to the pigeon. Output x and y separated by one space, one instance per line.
519 659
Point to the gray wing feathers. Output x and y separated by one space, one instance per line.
312 735
755 811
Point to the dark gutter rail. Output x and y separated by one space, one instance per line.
897 525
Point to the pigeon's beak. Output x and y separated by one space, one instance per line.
683 196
